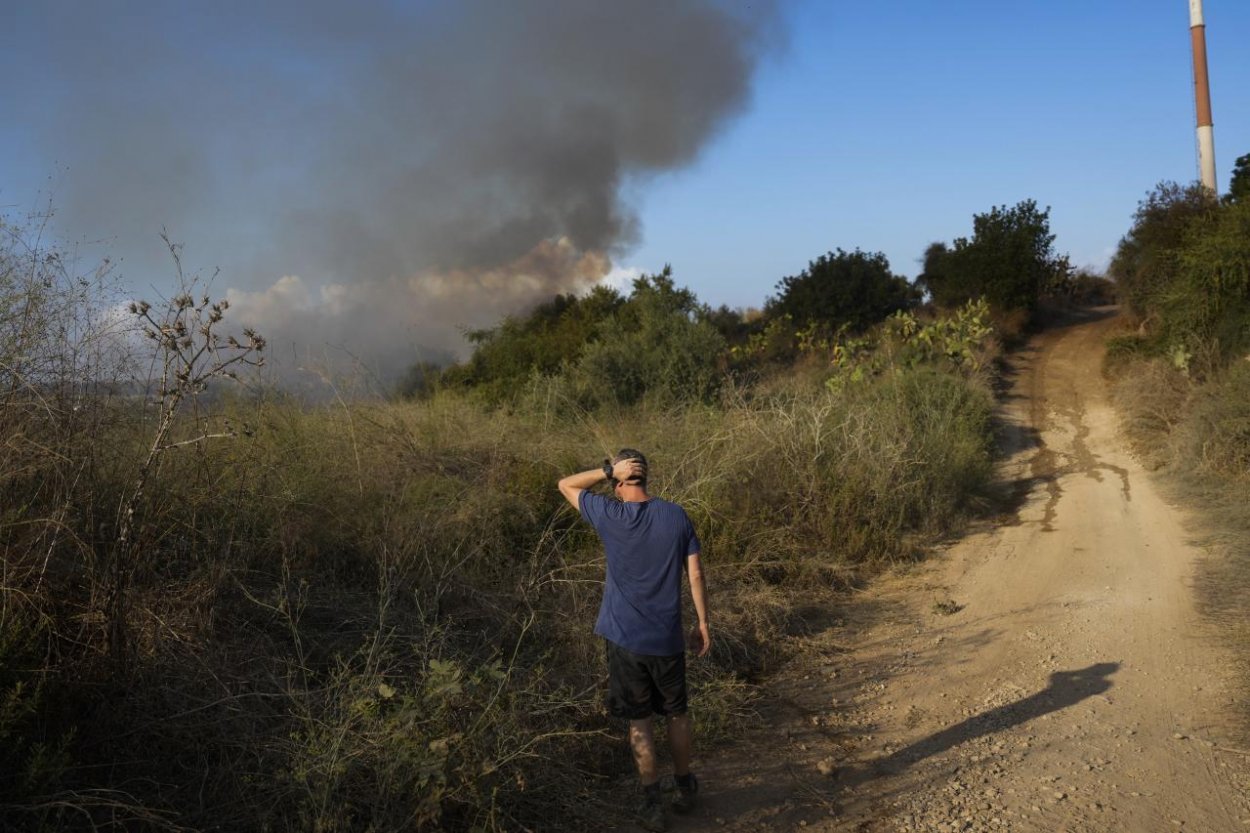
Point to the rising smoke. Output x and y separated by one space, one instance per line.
375 175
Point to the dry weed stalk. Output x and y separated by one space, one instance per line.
191 353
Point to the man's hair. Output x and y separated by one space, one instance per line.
633 454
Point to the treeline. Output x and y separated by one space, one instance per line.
259 616
1184 272
1184 374
659 342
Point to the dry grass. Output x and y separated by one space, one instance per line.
376 615
1198 435
1152 397
346 607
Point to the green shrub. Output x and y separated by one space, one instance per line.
1009 260
773 345
656 345
1184 268
1090 289
921 456
1145 262
961 341
1125 348
458 747
1208 303
1239 181
505 357
842 289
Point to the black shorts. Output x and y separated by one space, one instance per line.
639 685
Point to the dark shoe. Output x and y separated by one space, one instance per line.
684 801
650 814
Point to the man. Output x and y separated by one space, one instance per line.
649 542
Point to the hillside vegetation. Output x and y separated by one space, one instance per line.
1184 271
1182 377
223 609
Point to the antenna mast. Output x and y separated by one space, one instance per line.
1202 98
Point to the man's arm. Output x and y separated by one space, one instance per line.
700 634
573 485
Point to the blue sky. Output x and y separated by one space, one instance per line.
290 143
886 126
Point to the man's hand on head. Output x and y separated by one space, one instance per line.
624 470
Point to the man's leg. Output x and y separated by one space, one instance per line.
680 742
642 742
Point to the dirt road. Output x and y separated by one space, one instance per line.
1048 673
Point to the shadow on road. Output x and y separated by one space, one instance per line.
1066 688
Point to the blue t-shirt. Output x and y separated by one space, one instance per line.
647 545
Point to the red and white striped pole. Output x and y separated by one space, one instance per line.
1202 97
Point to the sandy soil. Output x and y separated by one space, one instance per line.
1046 673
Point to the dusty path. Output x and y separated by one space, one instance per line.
1074 689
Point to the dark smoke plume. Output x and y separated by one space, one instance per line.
375 174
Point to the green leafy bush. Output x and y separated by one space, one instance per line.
1185 270
1208 305
1145 263
961 342
657 344
1009 260
454 748
505 357
1239 181
842 289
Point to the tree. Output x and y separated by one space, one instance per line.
1184 267
551 335
854 289
1009 260
659 343
1239 184
1206 307
1146 259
